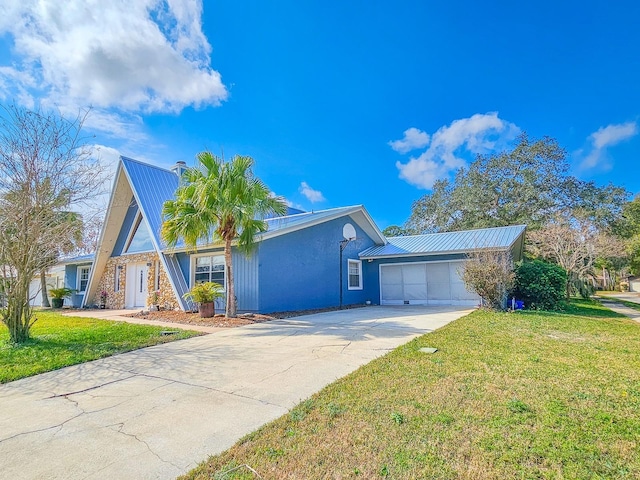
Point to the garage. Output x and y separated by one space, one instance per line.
424 283
425 269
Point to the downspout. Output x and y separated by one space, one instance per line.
343 245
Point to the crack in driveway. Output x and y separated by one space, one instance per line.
120 430
59 426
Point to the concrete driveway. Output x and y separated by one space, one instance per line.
159 411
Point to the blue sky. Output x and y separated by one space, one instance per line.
339 103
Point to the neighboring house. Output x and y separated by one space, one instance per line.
72 273
634 283
298 263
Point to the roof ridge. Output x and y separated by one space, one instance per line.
313 212
458 231
129 159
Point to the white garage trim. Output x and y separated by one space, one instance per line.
415 285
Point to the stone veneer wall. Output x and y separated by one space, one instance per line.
116 300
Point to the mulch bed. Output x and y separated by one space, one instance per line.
219 320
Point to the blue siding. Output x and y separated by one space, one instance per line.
245 276
179 281
245 273
71 276
371 270
300 270
125 229
184 259
71 281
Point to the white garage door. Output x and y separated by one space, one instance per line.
435 283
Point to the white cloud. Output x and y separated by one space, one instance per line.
613 134
312 195
412 139
107 156
601 140
480 133
142 56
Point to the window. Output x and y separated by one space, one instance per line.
116 278
210 269
83 278
139 237
355 275
156 283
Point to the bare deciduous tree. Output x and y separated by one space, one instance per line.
489 273
46 172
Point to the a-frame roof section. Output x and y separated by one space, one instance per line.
152 186
149 186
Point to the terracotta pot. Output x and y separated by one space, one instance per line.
207 310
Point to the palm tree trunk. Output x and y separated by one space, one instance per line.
231 294
43 289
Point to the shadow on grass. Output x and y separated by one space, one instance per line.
579 308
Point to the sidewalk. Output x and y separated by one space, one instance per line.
120 316
632 313
626 296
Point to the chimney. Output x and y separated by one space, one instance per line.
179 168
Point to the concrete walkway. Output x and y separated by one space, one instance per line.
620 308
120 316
157 412
627 296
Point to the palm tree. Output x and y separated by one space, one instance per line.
220 201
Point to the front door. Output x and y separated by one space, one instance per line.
137 291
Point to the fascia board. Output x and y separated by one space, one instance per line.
98 256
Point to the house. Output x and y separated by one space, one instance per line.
70 272
634 283
304 260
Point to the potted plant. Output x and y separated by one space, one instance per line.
103 298
58 295
205 295
155 305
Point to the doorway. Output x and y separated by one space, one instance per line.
137 288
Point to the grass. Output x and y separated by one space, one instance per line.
58 341
507 395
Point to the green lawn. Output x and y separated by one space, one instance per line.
516 395
58 341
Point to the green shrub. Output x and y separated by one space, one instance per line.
205 292
60 293
541 285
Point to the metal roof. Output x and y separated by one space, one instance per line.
301 219
282 225
151 186
77 259
449 242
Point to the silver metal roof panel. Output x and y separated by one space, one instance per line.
448 242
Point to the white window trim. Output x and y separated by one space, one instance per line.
192 264
359 263
79 277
